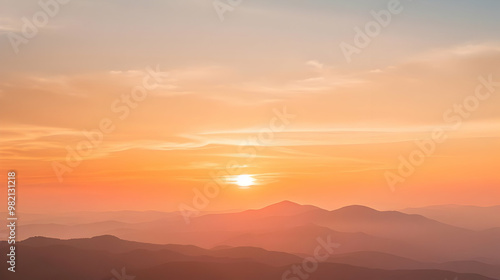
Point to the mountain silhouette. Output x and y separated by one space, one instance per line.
99 257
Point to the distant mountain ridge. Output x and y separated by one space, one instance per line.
466 216
279 226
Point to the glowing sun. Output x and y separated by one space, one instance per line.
244 180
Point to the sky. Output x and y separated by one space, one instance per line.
265 88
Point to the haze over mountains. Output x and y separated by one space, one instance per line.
277 235
471 217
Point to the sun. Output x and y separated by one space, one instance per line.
244 180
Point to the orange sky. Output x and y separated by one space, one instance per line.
348 123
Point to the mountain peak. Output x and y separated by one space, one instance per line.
356 209
286 203
38 238
287 207
106 237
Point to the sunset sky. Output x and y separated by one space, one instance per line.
223 82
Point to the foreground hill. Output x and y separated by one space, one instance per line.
254 271
97 258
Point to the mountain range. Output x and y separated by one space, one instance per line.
385 243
